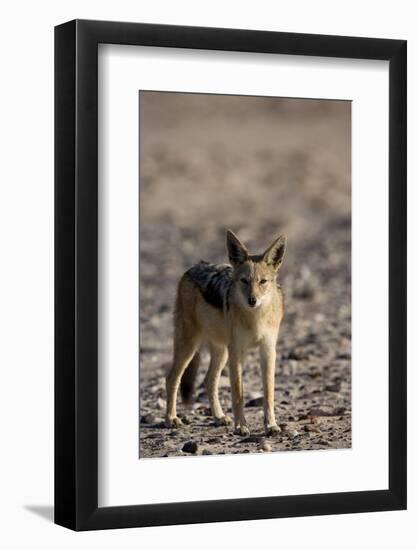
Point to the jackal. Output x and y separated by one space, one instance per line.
229 308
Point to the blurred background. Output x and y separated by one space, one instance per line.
261 166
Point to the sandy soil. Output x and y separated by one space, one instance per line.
261 167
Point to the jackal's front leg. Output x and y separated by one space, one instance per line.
235 368
268 357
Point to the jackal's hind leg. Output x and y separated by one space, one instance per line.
184 350
218 361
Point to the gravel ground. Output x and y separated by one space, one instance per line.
261 167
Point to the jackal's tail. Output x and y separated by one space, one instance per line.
188 379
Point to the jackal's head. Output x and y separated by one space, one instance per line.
255 276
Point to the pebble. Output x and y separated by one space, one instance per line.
266 447
148 419
155 436
334 387
311 428
255 394
160 403
255 402
253 439
319 412
214 440
190 447
202 410
184 419
206 452
293 366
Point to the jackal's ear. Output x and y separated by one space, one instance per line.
236 250
275 253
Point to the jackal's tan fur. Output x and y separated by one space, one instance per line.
249 315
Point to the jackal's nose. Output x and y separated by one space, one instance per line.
252 301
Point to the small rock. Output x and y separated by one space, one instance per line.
334 387
148 418
206 452
292 434
295 355
256 402
255 395
160 403
184 419
293 366
253 439
314 374
311 428
319 412
155 436
214 440
289 367
266 447
190 447
202 410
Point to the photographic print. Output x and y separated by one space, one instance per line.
245 274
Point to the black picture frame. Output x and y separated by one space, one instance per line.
76 272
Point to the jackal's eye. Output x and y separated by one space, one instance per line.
263 281
244 281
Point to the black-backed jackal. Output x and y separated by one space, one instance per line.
230 308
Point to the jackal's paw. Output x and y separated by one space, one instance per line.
272 429
242 430
222 420
173 422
